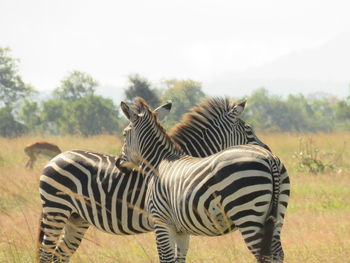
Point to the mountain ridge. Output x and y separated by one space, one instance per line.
319 69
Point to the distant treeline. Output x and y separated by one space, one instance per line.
74 108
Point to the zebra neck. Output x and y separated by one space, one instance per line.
156 150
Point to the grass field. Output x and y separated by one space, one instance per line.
317 226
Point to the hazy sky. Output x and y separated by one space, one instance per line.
193 39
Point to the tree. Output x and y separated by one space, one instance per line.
76 86
323 113
75 109
12 87
342 113
342 109
12 90
140 87
184 94
296 113
272 113
30 115
9 127
91 115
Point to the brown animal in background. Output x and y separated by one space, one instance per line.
35 149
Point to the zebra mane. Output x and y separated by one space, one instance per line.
205 112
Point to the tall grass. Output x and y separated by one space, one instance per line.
317 226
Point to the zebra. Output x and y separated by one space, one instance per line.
243 187
83 188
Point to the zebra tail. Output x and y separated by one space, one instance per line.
271 218
266 242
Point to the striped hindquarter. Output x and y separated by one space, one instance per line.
219 194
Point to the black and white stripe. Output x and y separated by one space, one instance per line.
243 187
82 188
212 126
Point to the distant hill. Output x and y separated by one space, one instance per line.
322 69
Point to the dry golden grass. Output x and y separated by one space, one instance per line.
317 226
332 147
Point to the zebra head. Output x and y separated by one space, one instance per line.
139 115
212 126
243 132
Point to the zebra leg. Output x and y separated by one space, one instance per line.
254 239
74 232
165 244
277 250
51 228
252 236
27 164
30 162
181 242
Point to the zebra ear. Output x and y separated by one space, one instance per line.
239 108
163 110
128 112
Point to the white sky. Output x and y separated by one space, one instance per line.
159 39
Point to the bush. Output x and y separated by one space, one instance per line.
311 160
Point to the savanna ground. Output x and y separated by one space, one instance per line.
317 225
